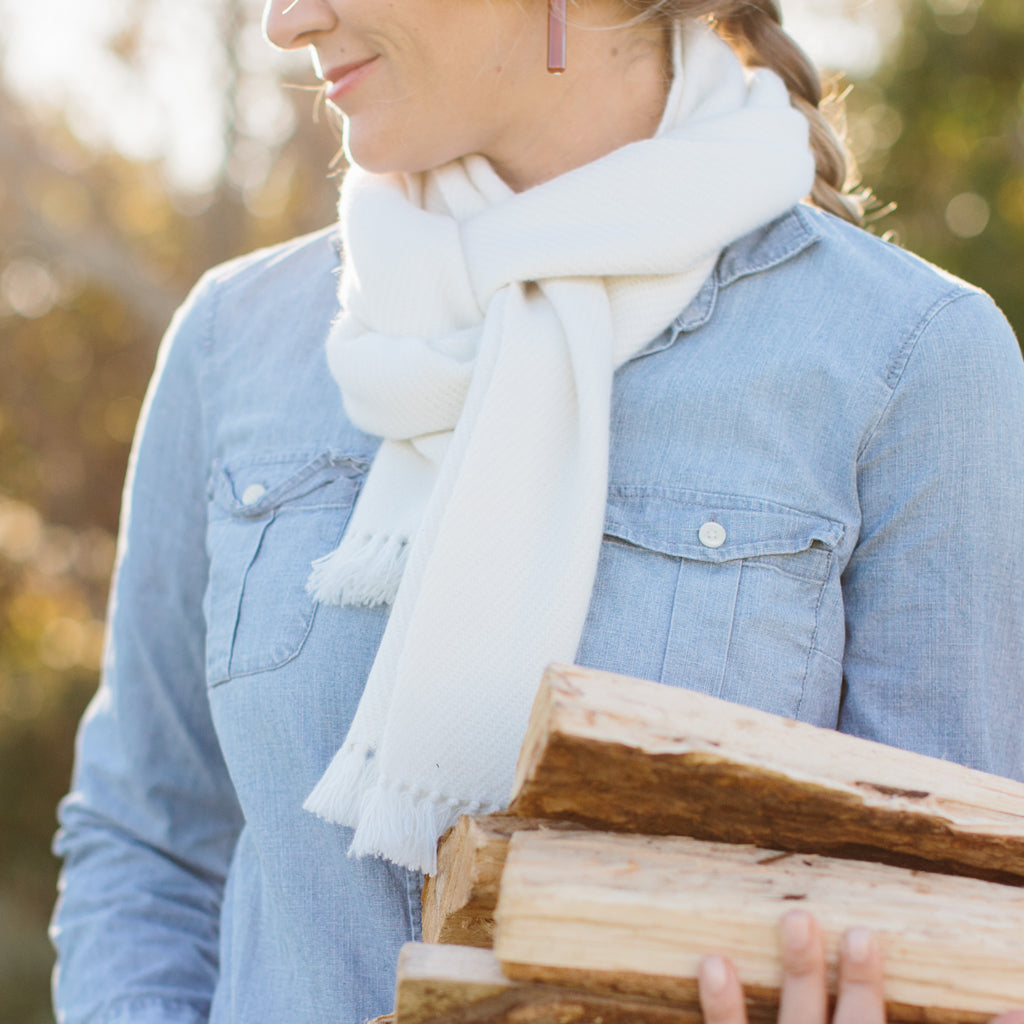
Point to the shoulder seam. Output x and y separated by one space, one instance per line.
900 360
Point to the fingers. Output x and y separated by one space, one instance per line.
1014 1017
861 996
721 997
803 998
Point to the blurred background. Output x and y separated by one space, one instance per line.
142 141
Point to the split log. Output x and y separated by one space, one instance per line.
632 914
459 985
435 980
628 755
458 902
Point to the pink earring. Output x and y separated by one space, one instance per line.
556 36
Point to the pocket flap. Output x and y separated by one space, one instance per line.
713 527
258 485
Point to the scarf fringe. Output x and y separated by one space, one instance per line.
361 570
338 796
400 823
403 826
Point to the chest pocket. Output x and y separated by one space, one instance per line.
269 517
718 593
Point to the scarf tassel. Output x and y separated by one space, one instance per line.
403 825
400 823
362 570
338 796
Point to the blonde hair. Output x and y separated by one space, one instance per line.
754 30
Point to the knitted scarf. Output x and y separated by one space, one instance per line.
479 334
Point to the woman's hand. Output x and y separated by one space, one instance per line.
804 997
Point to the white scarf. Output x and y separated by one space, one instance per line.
479 334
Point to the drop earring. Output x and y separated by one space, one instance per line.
556 36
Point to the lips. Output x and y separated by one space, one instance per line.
346 77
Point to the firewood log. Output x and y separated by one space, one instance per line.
632 915
628 755
460 985
435 980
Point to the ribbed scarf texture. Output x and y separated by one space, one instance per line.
479 333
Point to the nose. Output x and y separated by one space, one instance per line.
290 24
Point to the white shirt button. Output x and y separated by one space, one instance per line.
253 493
711 535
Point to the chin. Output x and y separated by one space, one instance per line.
391 157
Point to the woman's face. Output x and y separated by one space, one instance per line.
421 82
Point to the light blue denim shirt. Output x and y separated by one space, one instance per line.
851 419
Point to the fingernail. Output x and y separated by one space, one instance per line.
796 930
713 975
857 945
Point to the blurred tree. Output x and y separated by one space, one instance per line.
939 131
95 253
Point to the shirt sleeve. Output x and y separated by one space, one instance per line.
152 819
934 591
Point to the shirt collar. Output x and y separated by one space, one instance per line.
768 246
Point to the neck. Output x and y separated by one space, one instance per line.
612 93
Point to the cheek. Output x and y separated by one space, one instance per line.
433 106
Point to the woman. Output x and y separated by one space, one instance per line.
640 406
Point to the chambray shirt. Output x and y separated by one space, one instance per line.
815 507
